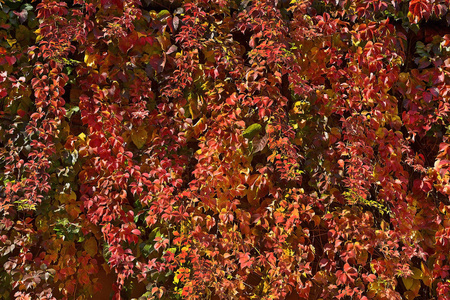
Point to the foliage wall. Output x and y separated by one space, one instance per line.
227 149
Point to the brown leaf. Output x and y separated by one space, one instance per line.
259 143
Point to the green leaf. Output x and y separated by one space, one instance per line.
71 111
163 14
147 249
252 130
27 6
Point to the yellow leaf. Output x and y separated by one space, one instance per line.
82 136
72 196
176 280
126 136
139 137
417 273
380 132
90 59
403 77
90 245
409 295
11 41
140 34
408 282
416 286
66 198
194 106
164 41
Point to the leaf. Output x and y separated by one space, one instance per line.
11 59
139 137
27 6
82 136
175 22
252 130
90 59
200 126
23 33
341 277
408 282
251 196
72 196
416 286
163 14
245 260
417 273
409 295
90 245
171 49
259 143
23 15
71 111
147 249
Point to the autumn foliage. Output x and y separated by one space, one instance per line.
225 149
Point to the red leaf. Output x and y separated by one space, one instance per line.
341 277
245 260
154 290
370 278
21 113
11 60
94 143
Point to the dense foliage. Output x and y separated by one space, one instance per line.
228 149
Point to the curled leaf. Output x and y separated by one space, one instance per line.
252 131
